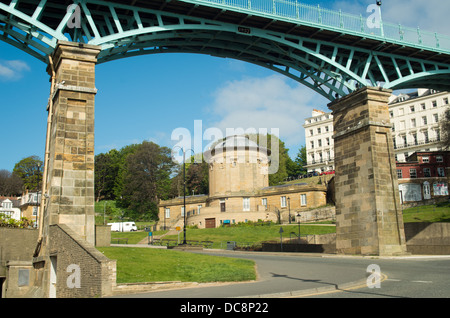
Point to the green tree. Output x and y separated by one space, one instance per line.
197 178
297 166
283 160
107 166
30 169
10 183
121 161
291 168
301 161
176 188
145 180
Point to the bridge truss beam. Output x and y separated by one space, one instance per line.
332 69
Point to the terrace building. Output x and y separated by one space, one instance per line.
424 176
319 141
415 121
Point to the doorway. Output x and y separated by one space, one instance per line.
210 223
2 280
426 190
53 276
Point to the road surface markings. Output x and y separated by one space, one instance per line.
412 281
422 281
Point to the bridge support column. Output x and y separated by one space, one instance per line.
70 150
369 218
65 261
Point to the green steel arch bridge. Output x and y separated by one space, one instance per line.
331 52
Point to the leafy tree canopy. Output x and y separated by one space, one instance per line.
30 169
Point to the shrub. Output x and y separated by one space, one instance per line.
24 223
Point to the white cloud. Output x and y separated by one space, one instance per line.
273 102
430 15
12 70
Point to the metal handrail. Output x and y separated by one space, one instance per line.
293 11
418 143
295 234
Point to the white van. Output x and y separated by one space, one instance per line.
123 227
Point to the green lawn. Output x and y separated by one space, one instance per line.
428 213
149 265
244 234
133 237
136 265
256 234
249 234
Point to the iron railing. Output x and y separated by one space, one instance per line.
294 11
418 143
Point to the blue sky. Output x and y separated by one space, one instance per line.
148 97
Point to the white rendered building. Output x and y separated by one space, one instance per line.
415 121
9 210
319 141
415 127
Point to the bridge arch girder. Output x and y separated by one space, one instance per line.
434 79
344 66
329 68
227 45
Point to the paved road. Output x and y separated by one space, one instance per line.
314 275
406 278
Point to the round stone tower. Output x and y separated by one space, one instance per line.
237 166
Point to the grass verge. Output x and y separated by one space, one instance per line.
250 234
135 265
428 213
247 234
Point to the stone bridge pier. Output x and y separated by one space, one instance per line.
369 218
70 150
66 263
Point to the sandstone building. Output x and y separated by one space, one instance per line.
239 191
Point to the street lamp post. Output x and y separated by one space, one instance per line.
37 192
381 20
298 218
184 193
184 196
289 205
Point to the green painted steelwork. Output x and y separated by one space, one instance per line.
296 12
329 51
